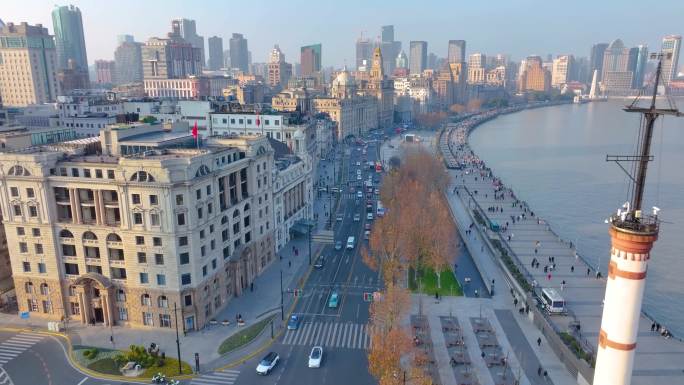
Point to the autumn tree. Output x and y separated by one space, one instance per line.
474 105
457 108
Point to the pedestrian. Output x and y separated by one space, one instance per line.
539 371
653 327
289 264
572 269
546 375
251 286
539 341
548 277
588 271
515 302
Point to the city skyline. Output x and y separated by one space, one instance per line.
512 37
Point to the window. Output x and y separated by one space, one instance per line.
204 271
23 247
35 232
199 213
185 279
213 264
144 278
17 210
179 200
86 173
121 295
154 219
156 241
139 240
98 173
14 192
137 218
161 280
184 258
33 211
208 190
74 172
70 269
33 305
187 300
69 250
154 200
147 319
165 320
159 259
180 219
142 257
75 308
110 174
123 314
41 268
136 199
211 229
38 248
26 266
30 193
213 244
20 231
210 208
44 289
203 250
201 234
183 241
47 306
198 194
248 236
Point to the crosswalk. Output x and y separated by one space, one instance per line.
16 345
5 378
329 334
219 377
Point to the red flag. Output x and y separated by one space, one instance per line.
258 122
195 134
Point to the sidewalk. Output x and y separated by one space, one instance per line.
262 302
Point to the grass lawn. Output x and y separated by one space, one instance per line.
428 282
106 366
169 369
243 337
104 363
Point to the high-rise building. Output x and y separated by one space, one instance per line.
671 46
125 39
215 53
456 52
239 55
28 58
417 56
533 76
279 72
226 59
596 58
311 56
69 38
562 70
387 33
617 76
639 67
402 60
477 69
187 29
364 52
105 71
129 64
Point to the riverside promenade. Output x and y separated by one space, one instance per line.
545 260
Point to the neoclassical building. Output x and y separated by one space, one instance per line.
115 230
382 88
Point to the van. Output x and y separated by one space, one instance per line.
351 242
553 302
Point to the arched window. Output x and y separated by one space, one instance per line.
113 237
18 171
247 207
66 234
162 301
121 295
90 236
236 214
142 176
224 220
202 171
261 150
28 287
145 300
44 289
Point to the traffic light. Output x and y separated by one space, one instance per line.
368 297
297 292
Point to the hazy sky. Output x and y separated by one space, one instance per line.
515 27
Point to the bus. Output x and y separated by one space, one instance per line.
378 167
553 301
380 211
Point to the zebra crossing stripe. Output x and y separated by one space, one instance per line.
328 329
308 334
352 336
331 337
29 336
288 335
5 354
22 344
343 334
13 349
305 334
20 338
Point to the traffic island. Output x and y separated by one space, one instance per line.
110 362
243 337
424 280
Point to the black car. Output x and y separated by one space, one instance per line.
320 262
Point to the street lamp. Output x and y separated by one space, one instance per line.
175 315
282 314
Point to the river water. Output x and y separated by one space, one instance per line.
554 158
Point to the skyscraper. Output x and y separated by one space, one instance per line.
617 76
402 60
187 29
533 76
279 72
562 70
239 57
128 59
105 71
364 51
170 58
456 52
387 33
70 41
417 56
596 58
30 76
477 68
215 53
389 47
311 59
670 47
640 66
125 39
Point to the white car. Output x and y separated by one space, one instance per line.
359 194
369 216
358 177
267 363
357 217
315 357
358 163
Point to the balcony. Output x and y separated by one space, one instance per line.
69 241
117 263
96 261
91 242
115 244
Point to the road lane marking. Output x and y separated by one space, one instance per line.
82 381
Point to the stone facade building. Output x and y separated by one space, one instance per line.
118 230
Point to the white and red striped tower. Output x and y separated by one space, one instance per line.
632 235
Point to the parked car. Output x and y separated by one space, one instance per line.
366 234
316 357
334 300
267 363
320 262
367 226
369 216
339 217
293 322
